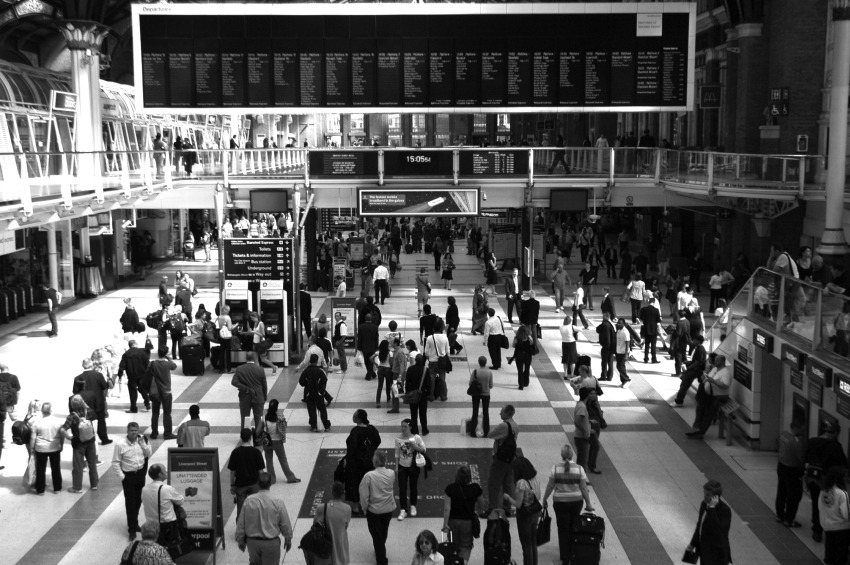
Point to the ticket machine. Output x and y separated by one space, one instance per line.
273 314
241 301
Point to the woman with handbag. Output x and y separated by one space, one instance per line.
528 507
480 383
360 445
459 515
479 309
261 344
225 332
409 457
523 348
568 487
417 383
569 354
336 516
274 438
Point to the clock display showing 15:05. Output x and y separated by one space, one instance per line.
418 163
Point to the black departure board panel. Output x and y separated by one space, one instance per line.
493 162
343 164
323 57
417 163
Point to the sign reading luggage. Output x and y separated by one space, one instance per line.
258 259
494 162
375 58
418 202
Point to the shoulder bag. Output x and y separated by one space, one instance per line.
444 362
474 386
129 560
177 539
414 396
317 540
476 521
503 342
534 507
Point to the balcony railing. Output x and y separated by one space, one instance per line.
28 177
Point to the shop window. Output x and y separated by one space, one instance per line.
479 123
358 122
332 124
394 123
503 122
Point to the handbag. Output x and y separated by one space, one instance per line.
129 560
225 333
179 542
318 539
503 339
530 509
544 528
474 386
420 459
414 396
358 359
444 362
690 556
235 343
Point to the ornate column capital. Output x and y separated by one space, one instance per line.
83 34
840 10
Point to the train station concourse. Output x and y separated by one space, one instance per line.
649 192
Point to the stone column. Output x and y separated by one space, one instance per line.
84 39
52 257
66 261
833 242
752 87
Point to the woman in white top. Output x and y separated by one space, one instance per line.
426 550
715 285
258 328
225 331
569 355
408 447
636 289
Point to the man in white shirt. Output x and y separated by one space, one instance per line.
128 462
158 499
381 279
493 332
622 352
226 229
436 346
716 387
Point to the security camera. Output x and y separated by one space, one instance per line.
483 196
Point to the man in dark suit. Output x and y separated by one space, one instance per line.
693 370
134 362
608 342
529 313
183 298
512 294
711 537
650 317
680 340
92 386
306 303
608 303
367 344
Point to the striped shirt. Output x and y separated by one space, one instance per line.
565 479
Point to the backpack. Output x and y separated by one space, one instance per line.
22 431
154 319
375 312
176 324
9 393
85 430
507 449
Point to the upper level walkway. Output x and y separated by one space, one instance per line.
30 180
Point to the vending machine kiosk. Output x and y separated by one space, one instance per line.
273 314
241 301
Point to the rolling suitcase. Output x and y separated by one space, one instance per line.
192 357
449 551
497 542
588 539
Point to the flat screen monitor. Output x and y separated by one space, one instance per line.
568 200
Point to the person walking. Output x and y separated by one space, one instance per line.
558 156
315 382
159 377
383 361
523 345
586 438
479 310
459 517
261 344
822 453
46 443
789 470
159 500
147 551
130 463
425 552
680 341
134 362
261 523
381 278
191 433
245 464
437 348
54 300
423 290
367 344
715 389
569 353
650 318
501 478
513 292
635 290
480 384
92 386
622 352
417 378
610 258
79 429
568 487
437 251
711 536
275 425
530 314
560 284
834 509
448 266
409 453
578 304
527 493
587 278
253 386
376 497
607 332
224 324
693 370
361 444
340 333
336 515
452 319
305 302
494 331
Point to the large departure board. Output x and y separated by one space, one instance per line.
414 57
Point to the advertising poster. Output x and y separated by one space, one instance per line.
346 307
418 202
339 271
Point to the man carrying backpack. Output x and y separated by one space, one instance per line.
10 387
501 479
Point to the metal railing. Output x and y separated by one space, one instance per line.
25 177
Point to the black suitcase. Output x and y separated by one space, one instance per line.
588 539
192 357
449 551
408 248
497 542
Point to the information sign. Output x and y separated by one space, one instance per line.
562 57
743 374
348 308
418 163
194 473
797 378
819 371
349 164
493 162
418 202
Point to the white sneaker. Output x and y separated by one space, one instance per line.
402 515
413 511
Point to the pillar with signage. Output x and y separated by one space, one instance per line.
348 308
273 314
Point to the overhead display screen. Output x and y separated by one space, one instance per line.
493 162
417 202
341 164
414 57
417 163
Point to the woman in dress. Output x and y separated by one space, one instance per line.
460 500
527 490
523 348
448 267
479 310
275 423
491 273
360 445
569 355
408 447
337 515
425 551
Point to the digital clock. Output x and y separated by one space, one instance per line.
418 163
